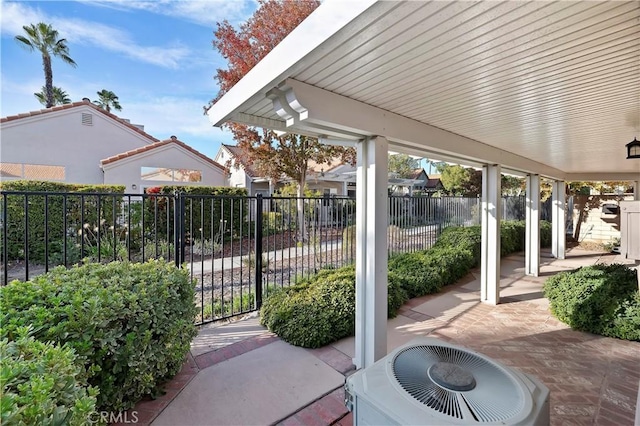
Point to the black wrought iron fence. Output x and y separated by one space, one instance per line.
236 249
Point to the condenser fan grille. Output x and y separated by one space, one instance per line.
457 383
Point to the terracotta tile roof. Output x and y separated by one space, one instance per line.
433 183
85 102
172 140
416 174
239 156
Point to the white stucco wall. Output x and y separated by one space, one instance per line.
59 138
128 171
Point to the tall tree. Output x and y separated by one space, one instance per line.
276 157
43 38
107 100
403 165
60 97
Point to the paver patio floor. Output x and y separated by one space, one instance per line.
240 373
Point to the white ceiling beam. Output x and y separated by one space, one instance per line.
330 110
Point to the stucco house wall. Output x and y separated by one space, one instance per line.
170 155
81 143
75 136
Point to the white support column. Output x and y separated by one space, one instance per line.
532 237
371 251
345 189
636 196
558 220
491 215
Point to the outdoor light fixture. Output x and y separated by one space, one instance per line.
633 149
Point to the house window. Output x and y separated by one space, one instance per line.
31 171
165 174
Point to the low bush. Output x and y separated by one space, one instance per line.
130 325
601 299
42 384
467 238
320 309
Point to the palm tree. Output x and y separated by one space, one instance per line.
60 97
43 38
107 100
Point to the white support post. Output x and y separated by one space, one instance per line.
491 215
636 196
371 251
345 189
532 237
558 220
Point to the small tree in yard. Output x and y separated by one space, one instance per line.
272 156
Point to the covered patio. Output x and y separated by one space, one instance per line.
543 90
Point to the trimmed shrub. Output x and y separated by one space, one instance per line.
319 309
74 211
600 299
467 238
305 315
42 384
415 274
222 217
131 325
512 236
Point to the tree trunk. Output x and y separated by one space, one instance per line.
48 80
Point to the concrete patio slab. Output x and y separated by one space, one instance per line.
216 337
259 387
400 330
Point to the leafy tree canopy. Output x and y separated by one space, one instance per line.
271 155
41 37
60 97
403 165
107 100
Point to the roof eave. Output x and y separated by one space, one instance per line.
323 23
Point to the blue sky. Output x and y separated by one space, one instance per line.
156 56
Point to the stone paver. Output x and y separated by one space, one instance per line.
239 373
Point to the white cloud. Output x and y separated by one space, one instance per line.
16 15
206 12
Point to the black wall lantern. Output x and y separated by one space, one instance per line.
633 149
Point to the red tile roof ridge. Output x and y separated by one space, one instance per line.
74 105
159 144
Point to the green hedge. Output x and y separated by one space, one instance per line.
321 309
42 384
600 299
77 211
130 325
202 216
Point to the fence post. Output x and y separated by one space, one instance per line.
178 227
258 250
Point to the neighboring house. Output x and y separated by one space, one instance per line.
325 178
335 178
82 143
433 185
168 162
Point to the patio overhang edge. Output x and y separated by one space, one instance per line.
327 20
